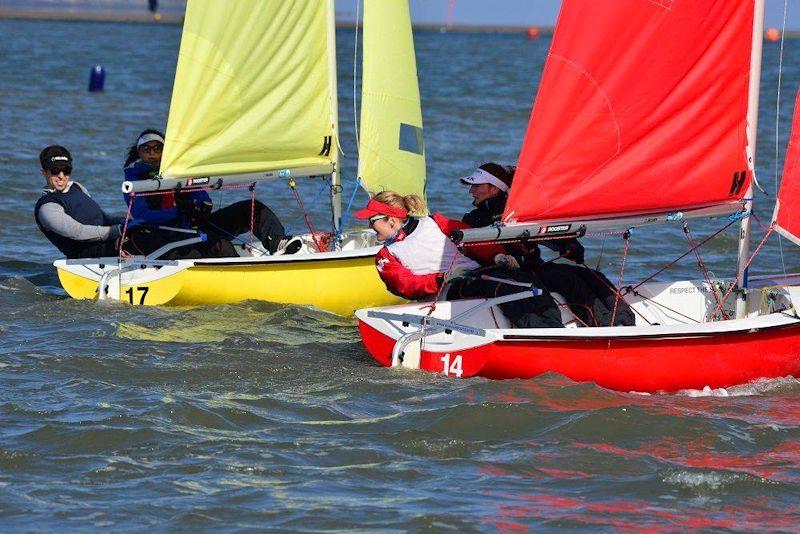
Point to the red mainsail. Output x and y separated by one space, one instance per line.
641 108
787 214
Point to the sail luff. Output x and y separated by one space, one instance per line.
391 146
752 134
786 218
336 181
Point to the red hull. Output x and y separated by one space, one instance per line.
624 364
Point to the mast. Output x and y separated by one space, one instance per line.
336 181
752 133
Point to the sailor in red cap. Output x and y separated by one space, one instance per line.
418 258
417 253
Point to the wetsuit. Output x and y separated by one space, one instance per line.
588 293
79 228
76 224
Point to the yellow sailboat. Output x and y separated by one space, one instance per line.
255 100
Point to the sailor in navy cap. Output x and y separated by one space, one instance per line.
68 216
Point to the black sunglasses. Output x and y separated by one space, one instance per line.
66 169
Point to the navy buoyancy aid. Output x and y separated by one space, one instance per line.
81 207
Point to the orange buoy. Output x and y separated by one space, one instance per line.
533 33
772 35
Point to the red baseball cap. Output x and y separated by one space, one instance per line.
374 208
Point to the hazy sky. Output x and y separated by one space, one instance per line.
535 12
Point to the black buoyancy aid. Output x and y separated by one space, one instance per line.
486 212
81 207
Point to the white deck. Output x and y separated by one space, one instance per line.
675 310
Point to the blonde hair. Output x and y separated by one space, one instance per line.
413 204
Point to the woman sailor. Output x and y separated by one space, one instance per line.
418 258
193 209
588 292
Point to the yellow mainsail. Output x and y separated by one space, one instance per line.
391 149
258 98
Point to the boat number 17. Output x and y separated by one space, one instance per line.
143 293
451 368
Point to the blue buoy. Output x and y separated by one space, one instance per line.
97 78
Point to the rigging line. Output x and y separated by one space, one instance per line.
236 239
252 212
122 253
602 251
662 306
702 265
777 121
318 241
610 286
355 76
621 273
315 198
350 202
432 306
744 269
679 258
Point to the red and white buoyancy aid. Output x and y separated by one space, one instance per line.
413 264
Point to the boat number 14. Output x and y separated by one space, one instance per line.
142 294
451 368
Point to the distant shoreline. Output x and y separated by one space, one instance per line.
142 16
167 17
145 17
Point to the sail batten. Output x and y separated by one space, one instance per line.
642 107
391 148
255 99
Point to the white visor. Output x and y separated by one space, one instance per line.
146 138
482 177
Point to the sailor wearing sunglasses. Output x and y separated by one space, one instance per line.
68 216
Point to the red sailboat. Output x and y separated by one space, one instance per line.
646 114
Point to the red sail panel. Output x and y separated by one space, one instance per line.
787 209
641 108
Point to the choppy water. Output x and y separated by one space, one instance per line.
258 415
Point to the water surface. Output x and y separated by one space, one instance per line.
254 414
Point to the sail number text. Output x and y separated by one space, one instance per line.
451 368
142 294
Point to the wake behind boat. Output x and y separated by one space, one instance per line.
255 100
656 127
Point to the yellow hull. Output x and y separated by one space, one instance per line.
339 285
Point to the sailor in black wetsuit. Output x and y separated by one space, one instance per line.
489 186
588 292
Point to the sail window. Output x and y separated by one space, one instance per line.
411 139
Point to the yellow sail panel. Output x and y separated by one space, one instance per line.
252 89
391 149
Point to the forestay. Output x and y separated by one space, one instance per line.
787 215
391 148
257 98
641 109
